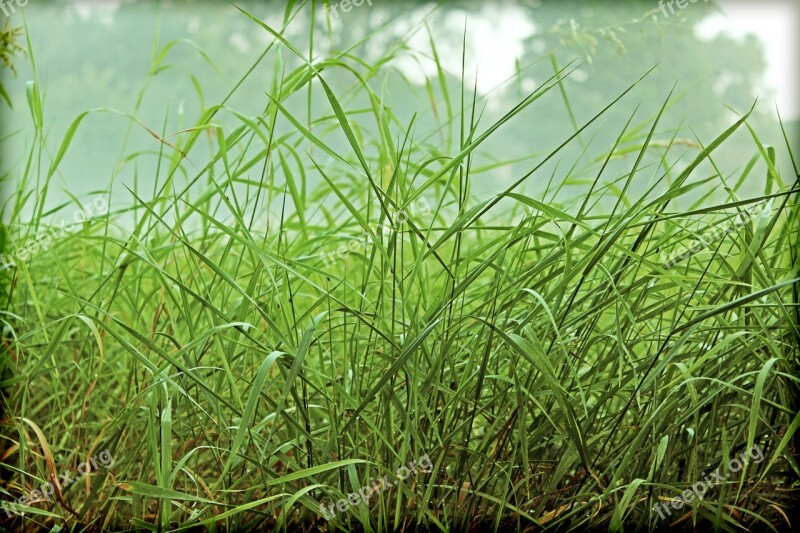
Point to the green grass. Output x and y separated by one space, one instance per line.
538 350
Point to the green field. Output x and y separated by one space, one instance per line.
310 321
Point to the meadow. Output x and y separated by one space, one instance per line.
510 361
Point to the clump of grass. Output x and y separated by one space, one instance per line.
9 48
540 353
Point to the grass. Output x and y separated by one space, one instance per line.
556 373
